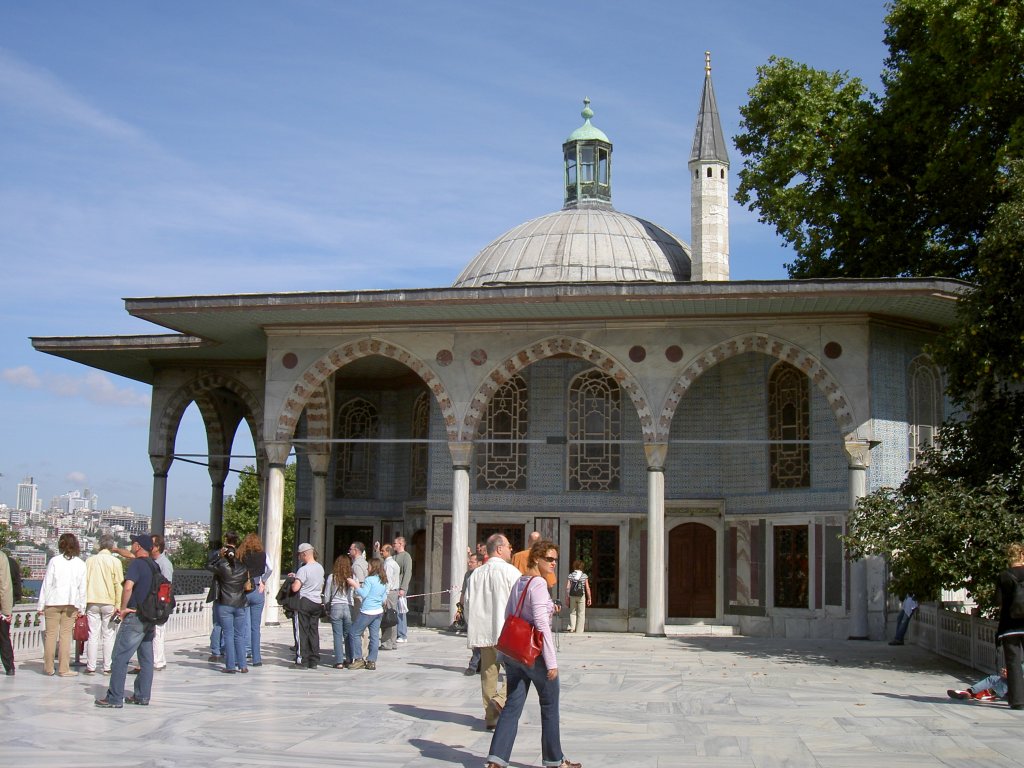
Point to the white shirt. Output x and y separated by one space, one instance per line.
489 588
64 583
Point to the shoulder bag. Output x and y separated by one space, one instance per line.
519 639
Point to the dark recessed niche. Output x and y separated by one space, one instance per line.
833 350
290 360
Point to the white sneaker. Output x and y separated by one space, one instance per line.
403 640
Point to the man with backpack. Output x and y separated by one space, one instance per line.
7 600
135 635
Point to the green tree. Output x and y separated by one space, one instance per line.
242 510
191 554
898 183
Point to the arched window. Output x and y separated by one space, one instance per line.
924 401
789 419
420 451
501 454
355 474
594 418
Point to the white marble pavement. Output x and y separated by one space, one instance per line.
627 700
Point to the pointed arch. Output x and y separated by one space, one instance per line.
558 345
767 345
316 374
218 412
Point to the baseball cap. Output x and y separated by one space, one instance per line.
305 547
144 540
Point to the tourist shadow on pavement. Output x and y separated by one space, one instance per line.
450 755
447 667
438 715
926 699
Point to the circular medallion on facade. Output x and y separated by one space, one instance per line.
478 356
674 353
290 360
444 357
833 350
637 354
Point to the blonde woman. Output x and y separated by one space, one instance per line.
61 600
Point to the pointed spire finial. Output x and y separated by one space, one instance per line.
707 62
587 112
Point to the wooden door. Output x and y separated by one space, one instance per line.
691 571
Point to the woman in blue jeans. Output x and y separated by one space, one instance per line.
339 596
252 555
373 592
231 575
537 609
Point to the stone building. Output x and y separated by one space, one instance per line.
697 442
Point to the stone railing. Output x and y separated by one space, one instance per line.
192 617
968 639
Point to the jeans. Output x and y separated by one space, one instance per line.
341 625
254 602
362 622
232 624
133 637
403 625
518 678
101 631
216 635
902 623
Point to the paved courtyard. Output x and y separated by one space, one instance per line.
627 700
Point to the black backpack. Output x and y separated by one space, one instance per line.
19 591
157 606
577 587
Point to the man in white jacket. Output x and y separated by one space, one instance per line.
489 588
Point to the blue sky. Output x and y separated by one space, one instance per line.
152 149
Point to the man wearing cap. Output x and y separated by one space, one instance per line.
134 636
308 581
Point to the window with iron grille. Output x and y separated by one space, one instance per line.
355 473
501 455
420 451
594 417
924 400
789 419
792 582
598 547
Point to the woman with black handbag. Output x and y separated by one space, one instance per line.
230 576
531 600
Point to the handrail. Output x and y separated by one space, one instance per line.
971 640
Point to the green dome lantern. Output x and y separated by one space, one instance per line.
588 165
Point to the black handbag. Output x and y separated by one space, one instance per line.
389 619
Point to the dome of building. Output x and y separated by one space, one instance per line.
581 245
588 240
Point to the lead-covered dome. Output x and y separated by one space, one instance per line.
581 245
588 240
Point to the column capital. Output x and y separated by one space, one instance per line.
161 464
319 462
859 452
462 453
218 471
277 452
655 454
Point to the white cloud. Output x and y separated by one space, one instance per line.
78 478
93 386
26 86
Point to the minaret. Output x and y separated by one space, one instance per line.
588 165
709 190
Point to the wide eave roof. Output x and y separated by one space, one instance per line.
233 328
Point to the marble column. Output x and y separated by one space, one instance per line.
161 466
218 474
858 454
461 461
277 455
657 568
318 463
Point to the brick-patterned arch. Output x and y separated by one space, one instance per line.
202 391
777 348
557 345
316 374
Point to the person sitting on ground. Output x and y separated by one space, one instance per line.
987 689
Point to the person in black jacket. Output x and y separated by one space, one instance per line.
1010 633
231 575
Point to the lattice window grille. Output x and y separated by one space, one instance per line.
355 474
924 399
594 414
789 419
501 466
420 451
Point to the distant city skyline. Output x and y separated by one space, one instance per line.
226 148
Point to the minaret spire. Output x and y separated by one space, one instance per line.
709 189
